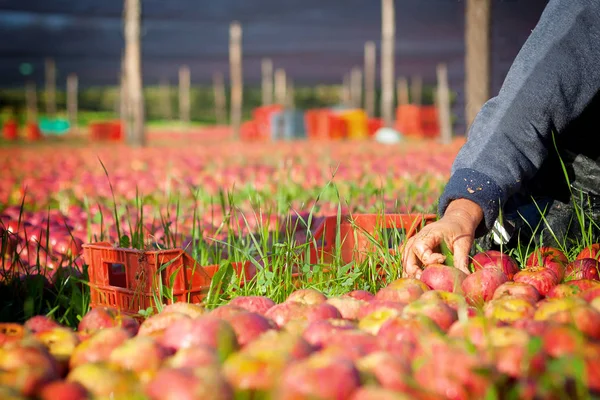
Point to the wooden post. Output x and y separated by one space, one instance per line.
388 32
123 98
31 99
219 93
443 103
280 86
133 65
50 69
370 78
356 87
72 89
346 94
477 56
417 90
235 65
291 94
402 91
267 81
184 94
165 100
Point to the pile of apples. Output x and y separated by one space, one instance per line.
447 335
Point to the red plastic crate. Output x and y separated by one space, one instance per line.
374 124
106 131
129 279
430 126
357 233
262 119
248 131
10 130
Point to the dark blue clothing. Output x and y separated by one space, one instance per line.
551 93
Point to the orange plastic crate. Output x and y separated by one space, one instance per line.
130 280
33 131
358 232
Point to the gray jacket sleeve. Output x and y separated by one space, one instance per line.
554 77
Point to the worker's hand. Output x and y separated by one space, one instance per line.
457 228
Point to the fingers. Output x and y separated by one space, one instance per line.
461 251
419 251
410 263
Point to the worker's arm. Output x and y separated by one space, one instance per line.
554 77
552 80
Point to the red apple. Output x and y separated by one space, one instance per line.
377 305
453 300
531 326
307 296
352 344
551 258
476 330
257 304
27 367
348 307
189 309
497 259
517 361
140 354
563 290
452 372
583 317
106 317
590 294
103 380
442 277
319 332
509 309
193 357
404 294
319 376
402 336
582 268
373 321
189 384
438 311
387 370
156 324
258 366
61 342
360 295
408 283
542 278
518 289
592 251
585 284
64 391
563 340
99 346
226 311
592 367
282 313
480 286
374 392
547 307
248 326
40 323
206 331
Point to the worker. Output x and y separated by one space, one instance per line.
529 172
